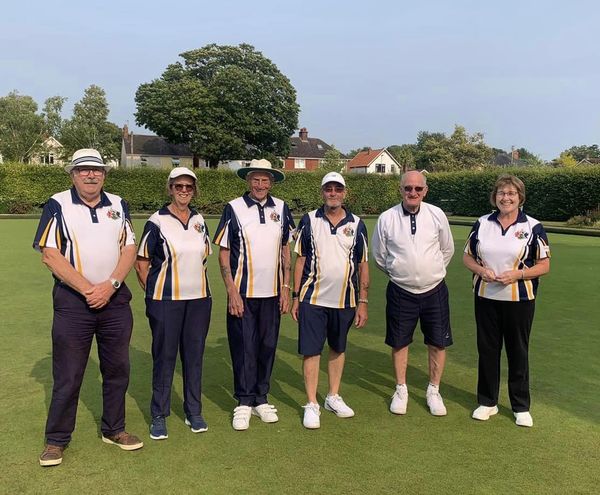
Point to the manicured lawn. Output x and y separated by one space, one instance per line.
374 452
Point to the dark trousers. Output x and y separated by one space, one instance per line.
178 326
508 322
73 330
252 343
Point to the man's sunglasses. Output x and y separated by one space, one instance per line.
416 188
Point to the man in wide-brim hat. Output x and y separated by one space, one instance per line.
253 236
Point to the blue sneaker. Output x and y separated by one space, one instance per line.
196 423
158 428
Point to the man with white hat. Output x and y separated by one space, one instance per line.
253 236
331 282
87 242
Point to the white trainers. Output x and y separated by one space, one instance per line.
311 416
399 400
435 402
241 418
483 413
523 419
336 404
266 412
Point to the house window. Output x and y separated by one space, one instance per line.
175 162
380 168
48 159
299 163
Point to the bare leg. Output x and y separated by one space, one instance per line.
335 368
400 361
310 368
437 361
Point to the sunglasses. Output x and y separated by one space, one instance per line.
181 187
337 189
416 188
84 172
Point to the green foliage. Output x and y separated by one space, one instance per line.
591 218
584 151
21 127
405 155
552 194
226 102
566 160
332 162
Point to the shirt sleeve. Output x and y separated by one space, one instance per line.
446 240
378 244
150 240
50 231
303 245
288 225
540 242
225 228
128 234
361 250
472 241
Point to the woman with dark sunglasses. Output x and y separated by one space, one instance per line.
171 268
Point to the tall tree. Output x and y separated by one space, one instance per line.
404 154
332 161
89 126
21 127
529 158
53 121
226 102
584 151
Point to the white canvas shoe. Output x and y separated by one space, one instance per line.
435 402
399 400
336 404
483 413
241 418
266 412
523 419
311 416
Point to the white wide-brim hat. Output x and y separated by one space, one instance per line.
86 157
261 166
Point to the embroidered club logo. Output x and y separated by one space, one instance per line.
199 227
348 231
521 234
275 216
113 214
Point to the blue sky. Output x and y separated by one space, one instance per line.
525 73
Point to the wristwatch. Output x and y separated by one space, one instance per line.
115 283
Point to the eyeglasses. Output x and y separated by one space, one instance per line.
181 187
84 172
510 194
416 188
337 189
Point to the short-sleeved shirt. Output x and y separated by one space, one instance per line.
515 248
89 238
255 234
333 253
178 255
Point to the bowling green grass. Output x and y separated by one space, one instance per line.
374 452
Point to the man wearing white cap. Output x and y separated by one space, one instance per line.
253 236
87 242
331 282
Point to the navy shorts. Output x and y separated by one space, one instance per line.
317 324
404 309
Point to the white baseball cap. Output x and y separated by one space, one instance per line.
179 171
333 177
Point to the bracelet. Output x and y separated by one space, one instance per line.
294 295
365 301
286 286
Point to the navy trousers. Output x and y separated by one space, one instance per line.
509 322
73 329
178 326
252 343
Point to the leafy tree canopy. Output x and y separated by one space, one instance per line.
21 127
226 102
583 151
332 161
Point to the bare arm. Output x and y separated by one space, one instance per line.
142 267
235 304
286 263
64 271
298 269
540 268
486 274
363 295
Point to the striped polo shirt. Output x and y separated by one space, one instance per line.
89 238
333 253
518 247
255 234
178 254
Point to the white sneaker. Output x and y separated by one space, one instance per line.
399 400
336 404
311 416
483 413
523 419
241 418
435 402
266 412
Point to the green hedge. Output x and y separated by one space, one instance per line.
552 194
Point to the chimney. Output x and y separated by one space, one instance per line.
125 131
303 134
515 154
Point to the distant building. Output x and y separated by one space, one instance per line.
305 153
509 160
371 161
51 153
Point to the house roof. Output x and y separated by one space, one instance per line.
505 159
309 148
143 144
365 158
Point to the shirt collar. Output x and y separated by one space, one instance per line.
251 202
406 212
521 217
104 201
165 210
348 218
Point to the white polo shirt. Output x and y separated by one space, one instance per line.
89 238
330 276
255 234
413 249
516 248
178 254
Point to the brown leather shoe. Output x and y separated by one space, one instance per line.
124 440
52 455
